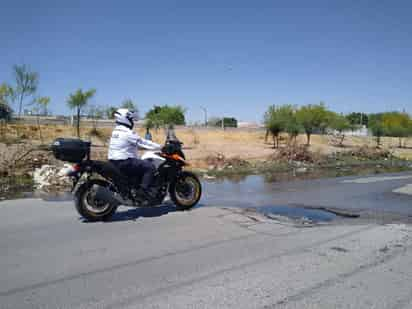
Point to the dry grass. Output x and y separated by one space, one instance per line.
201 144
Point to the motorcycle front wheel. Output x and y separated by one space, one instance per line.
186 191
88 203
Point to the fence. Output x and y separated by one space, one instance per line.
109 123
64 121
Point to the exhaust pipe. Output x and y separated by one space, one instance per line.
103 193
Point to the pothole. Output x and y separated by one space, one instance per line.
300 213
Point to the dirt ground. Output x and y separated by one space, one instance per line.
199 144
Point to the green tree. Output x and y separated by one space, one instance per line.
341 124
109 112
276 121
313 118
409 130
396 124
166 115
6 94
78 100
129 104
376 127
214 121
292 126
228 122
326 123
5 112
148 124
26 84
357 119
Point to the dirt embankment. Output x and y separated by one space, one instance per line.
22 159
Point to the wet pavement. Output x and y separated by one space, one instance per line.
372 196
312 200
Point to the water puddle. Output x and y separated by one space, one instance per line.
269 198
298 213
16 187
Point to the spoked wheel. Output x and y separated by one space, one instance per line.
90 202
186 191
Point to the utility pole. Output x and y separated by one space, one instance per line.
205 111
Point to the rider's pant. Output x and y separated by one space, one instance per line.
133 167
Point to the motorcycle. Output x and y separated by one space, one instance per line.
99 187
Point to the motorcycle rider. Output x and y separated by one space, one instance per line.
123 147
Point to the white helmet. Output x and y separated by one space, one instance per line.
125 117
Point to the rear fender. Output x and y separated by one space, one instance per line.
80 181
87 171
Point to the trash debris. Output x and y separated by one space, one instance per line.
220 162
297 155
369 153
51 176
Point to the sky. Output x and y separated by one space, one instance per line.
234 57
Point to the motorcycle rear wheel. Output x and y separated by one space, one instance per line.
91 208
186 191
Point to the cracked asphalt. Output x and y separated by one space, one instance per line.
210 257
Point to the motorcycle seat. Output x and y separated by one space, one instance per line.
110 171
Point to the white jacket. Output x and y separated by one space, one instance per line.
124 144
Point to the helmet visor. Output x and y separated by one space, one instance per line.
133 115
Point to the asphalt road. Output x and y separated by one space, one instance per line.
211 257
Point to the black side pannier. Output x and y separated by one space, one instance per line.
70 149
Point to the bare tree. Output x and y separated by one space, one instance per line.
26 83
129 104
78 100
42 104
